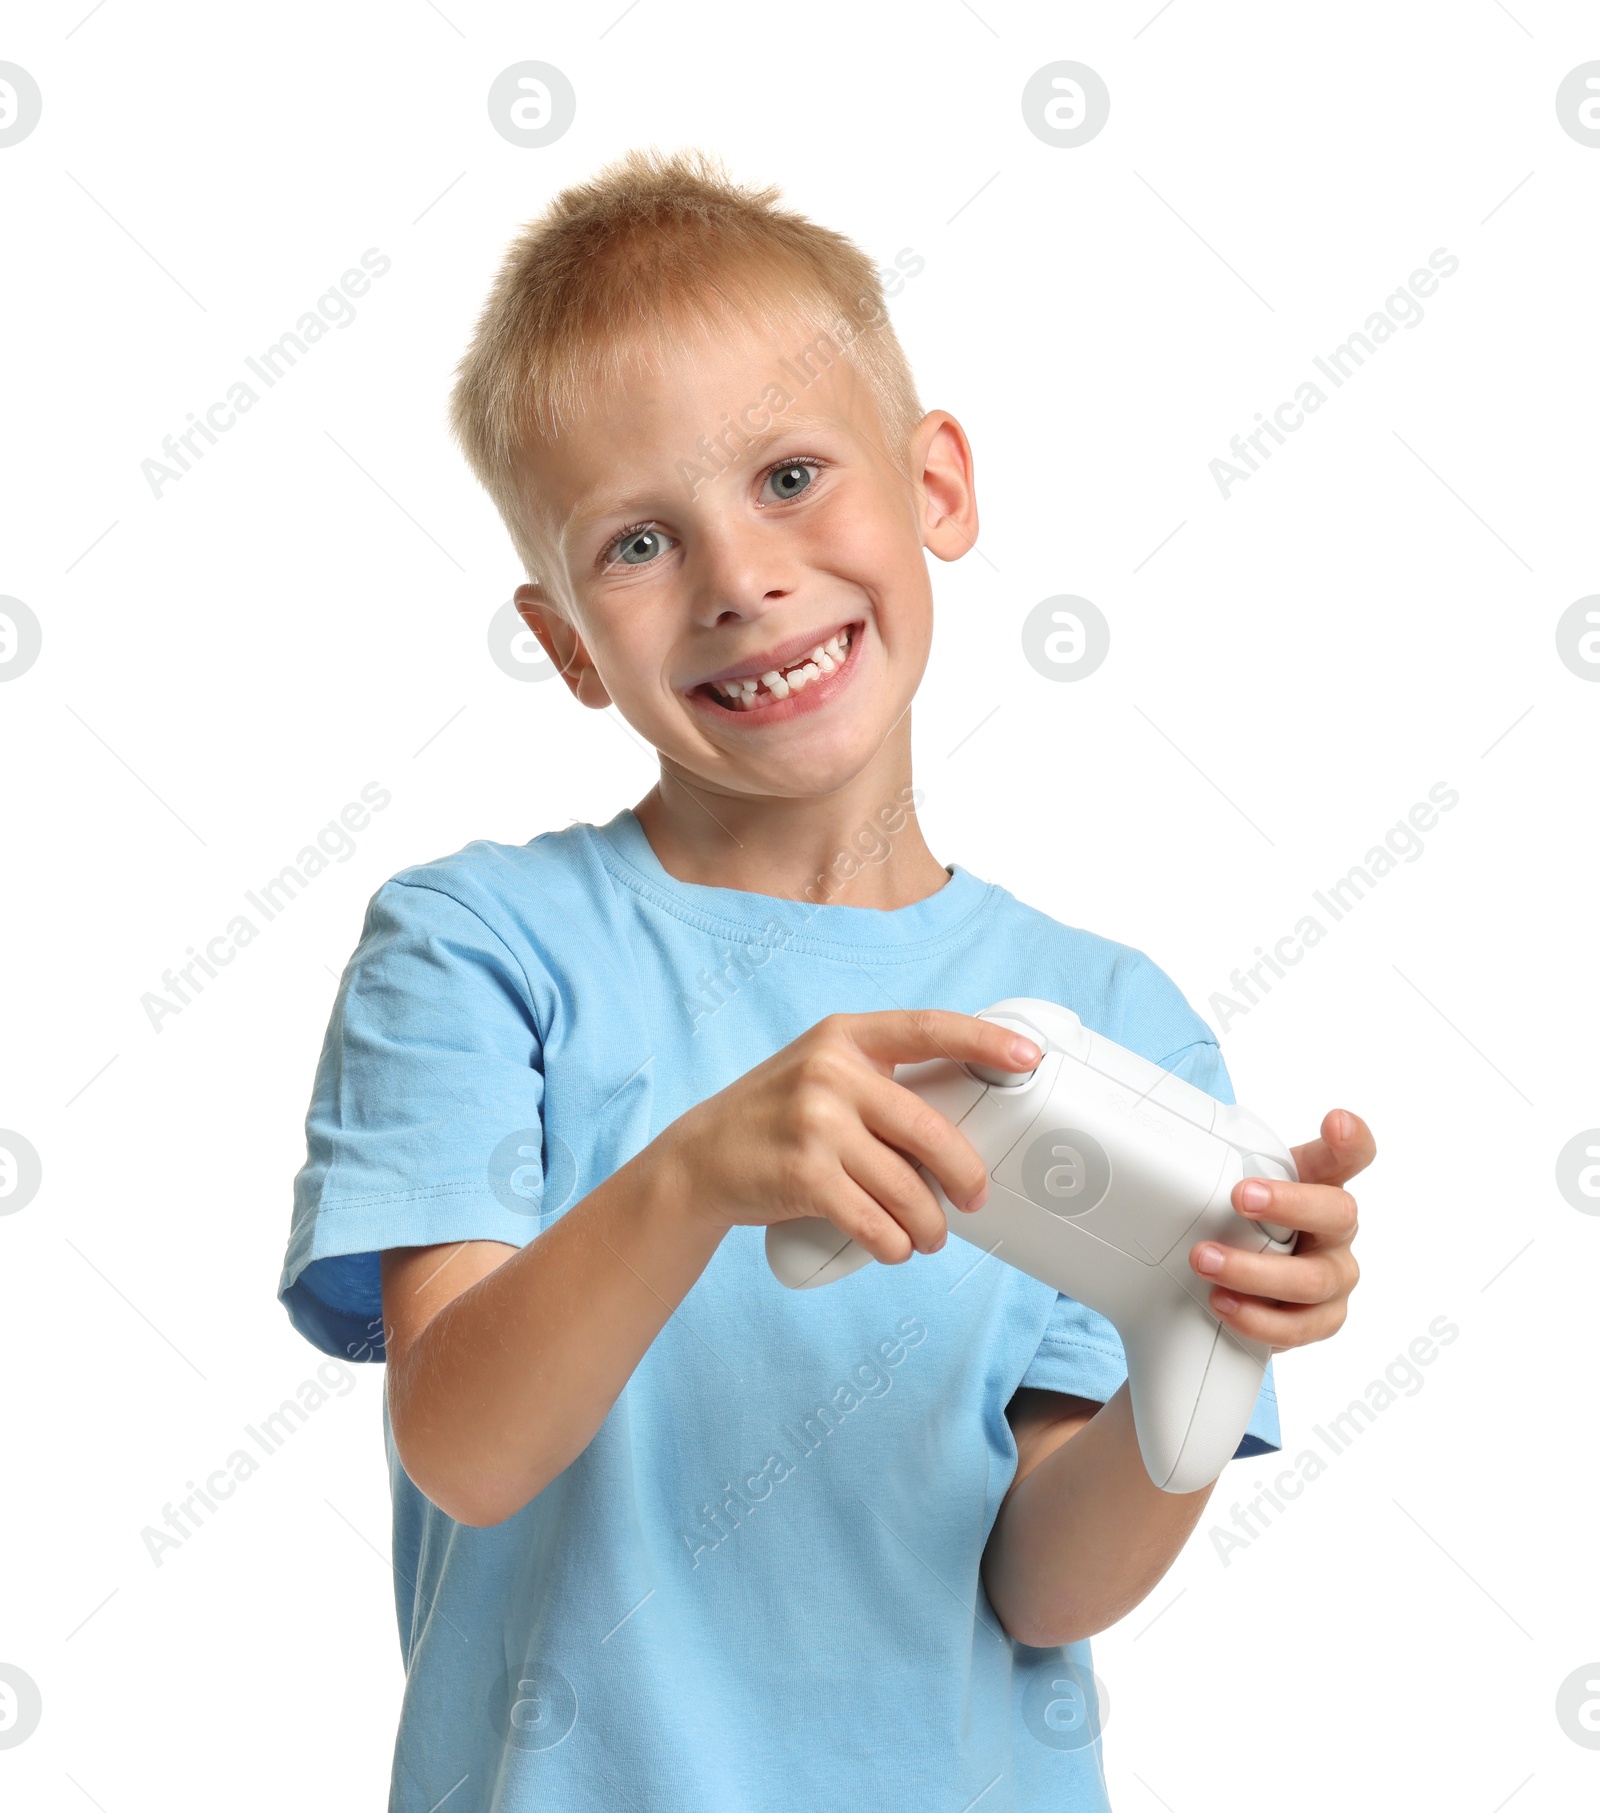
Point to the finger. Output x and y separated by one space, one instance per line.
1346 1147
1278 1325
904 1037
1314 1208
902 1119
1314 1277
856 1212
892 1182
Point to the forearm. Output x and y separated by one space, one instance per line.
508 1383
1085 1535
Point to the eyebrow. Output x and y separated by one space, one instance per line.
596 507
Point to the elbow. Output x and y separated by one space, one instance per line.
469 1480
1037 1627
477 1504
1044 1623
1069 1631
1041 1620
478 1499
475 1511
477 1517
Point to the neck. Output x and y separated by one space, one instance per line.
858 846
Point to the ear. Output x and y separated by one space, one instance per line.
562 643
941 463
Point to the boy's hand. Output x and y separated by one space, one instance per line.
822 1128
1290 1299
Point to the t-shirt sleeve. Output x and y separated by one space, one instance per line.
425 1117
1081 1353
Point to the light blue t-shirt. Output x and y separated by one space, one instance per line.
757 1589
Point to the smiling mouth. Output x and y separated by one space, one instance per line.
759 692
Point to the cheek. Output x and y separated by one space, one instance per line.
871 546
630 648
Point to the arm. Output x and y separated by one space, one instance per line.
1082 1535
503 1361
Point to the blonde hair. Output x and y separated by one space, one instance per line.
634 262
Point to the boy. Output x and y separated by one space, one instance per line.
667 1535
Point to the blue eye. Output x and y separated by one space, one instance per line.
789 481
638 547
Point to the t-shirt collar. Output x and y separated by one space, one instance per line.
830 929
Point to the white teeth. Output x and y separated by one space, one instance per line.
826 658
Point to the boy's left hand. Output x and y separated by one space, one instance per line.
1291 1299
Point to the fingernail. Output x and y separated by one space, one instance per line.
1254 1195
1224 1301
1209 1258
1343 1127
1025 1051
979 1200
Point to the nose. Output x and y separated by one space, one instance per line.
740 574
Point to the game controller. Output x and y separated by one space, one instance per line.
1104 1170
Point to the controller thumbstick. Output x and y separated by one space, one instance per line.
1264 1164
1008 1079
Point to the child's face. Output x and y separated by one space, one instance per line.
685 584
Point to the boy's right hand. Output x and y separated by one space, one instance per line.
822 1128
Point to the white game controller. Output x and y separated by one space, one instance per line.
1104 1170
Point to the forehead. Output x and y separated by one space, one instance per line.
634 430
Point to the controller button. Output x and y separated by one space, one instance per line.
1008 1079
1263 1164
999 1079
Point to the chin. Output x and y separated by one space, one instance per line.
813 779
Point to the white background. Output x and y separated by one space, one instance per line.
1374 612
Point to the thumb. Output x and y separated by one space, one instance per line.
1345 1148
